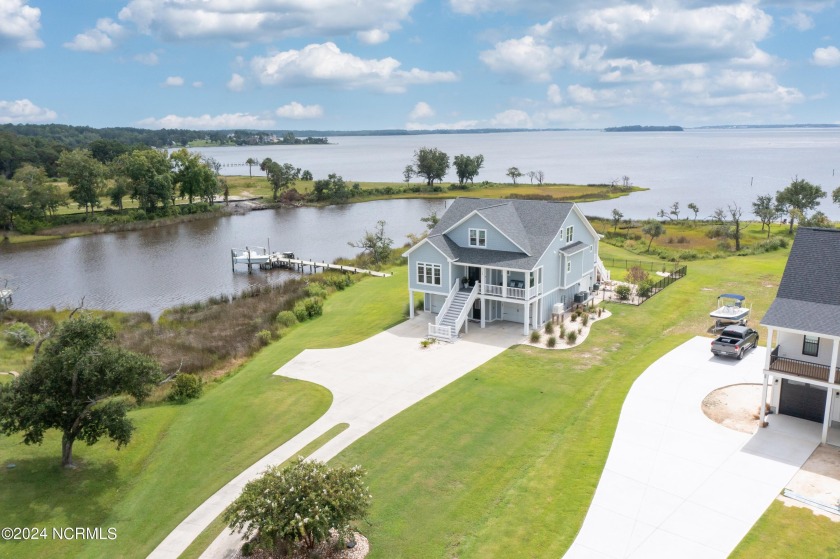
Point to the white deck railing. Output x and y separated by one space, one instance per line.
437 331
448 302
512 292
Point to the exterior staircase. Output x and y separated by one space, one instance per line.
453 314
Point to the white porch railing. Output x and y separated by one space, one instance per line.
462 316
437 331
512 292
448 302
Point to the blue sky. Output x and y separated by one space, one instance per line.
418 64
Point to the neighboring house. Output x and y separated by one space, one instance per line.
805 317
511 260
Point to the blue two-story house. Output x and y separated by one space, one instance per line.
514 260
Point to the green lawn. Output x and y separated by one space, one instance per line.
180 455
508 457
787 532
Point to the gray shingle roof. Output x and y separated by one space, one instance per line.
809 294
531 224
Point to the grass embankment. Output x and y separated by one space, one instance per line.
180 455
505 461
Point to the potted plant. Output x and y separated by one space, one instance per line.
465 281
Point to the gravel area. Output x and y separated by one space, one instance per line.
819 481
735 406
569 325
324 551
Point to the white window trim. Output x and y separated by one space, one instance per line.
477 237
569 266
426 267
570 233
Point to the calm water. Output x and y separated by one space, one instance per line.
153 269
711 168
158 268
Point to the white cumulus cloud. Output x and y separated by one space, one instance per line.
197 84
209 122
19 25
527 57
421 110
298 111
263 20
173 81
325 64
373 36
826 56
99 39
799 21
236 82
553 94
23 111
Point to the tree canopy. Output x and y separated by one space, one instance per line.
281 176
193 176
653 229
148 176
85 176
800 196
514 173
431 164
77 384
467 167
375 243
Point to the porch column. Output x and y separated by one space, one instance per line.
832 374
770 333
526 307
504 283
829 396
481 295
763 406
410 303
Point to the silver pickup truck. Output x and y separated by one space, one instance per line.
734 341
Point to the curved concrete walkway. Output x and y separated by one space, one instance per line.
371 381
677 484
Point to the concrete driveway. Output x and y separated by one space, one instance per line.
677 484
371 381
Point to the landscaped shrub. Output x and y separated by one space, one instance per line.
551 341
574 316
645 289
549 327
562 331
308 308
571 337
636 275
21 334
264 336
584 319
535 336
316 290
185 388
286 319
623 292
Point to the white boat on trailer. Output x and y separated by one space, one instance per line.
730 310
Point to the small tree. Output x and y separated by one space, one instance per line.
653 229
431 220
300 503
75 384
730 221
250 162
431 164
375 243
306 175
408 172
531 175
766 211
835 196
695 209
616 218
514 173
467 167
540 177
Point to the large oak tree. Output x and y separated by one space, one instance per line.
80 383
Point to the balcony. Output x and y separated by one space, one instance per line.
799 368
521 293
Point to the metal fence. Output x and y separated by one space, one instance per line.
659 266
634 299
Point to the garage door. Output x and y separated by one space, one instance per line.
799 399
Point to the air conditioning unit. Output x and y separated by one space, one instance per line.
581 297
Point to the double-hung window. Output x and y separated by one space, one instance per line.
811 346
570 233
478 238
428 274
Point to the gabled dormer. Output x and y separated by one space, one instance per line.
492 228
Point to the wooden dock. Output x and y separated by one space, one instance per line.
277 260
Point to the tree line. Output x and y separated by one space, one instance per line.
433 164
154 178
